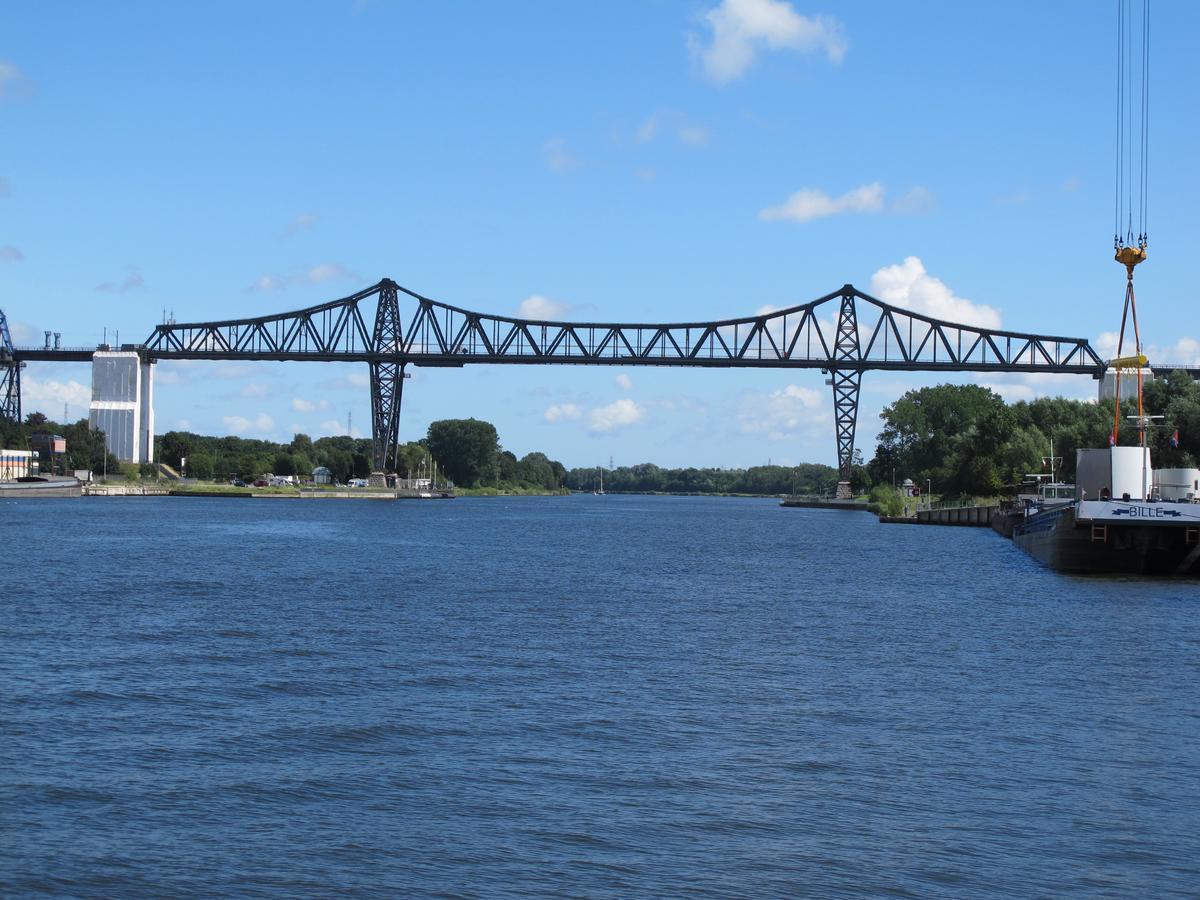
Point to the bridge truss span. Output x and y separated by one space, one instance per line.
843 333
428 332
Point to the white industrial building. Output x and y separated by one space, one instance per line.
123 404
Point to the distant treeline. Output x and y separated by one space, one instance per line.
968 442
806 478
468 452
226 457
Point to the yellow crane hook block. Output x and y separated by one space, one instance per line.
1130 256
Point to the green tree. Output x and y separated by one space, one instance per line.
201 465
173 446
302 443
284 464
534 470
464 448
949 434
505 467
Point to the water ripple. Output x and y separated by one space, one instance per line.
602 697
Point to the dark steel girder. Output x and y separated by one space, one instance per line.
387 383
10 376
409 329
10 390
427 332
451 361
847 351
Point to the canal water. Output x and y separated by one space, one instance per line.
587 696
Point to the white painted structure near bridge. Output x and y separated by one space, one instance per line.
123 404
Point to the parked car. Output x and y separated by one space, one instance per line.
260 482
237 482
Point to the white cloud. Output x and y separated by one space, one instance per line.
299 404
269 283
326 272
172 371
316 275
131 282
352 381
785 412
1184 352
917 201
1016 198
183 425
9 75
742 28
809 204
1106 344
302 222
624 381
332 426
261 425
22 332
539 307
9 253
558 155
648 130
909 286
1014 386
257 391
562 412
617 414
674 121
49 397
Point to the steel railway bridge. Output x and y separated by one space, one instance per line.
844 334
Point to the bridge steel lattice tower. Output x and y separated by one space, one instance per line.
845 381
390 327
10 375
387 380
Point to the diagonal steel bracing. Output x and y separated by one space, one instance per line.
847 351
408 328
10 375
387 380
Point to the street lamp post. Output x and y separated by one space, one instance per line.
929 493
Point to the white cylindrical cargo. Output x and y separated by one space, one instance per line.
1177 484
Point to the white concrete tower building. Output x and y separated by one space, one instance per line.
123 404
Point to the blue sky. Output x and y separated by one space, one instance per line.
641 161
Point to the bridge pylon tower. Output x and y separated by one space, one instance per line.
845 381
387 380
10 376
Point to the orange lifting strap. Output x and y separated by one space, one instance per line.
1129 257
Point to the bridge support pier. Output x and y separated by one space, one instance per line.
10 376
10 391
387 380
845 383
845 410
387 390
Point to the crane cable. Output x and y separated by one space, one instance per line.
1130 250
